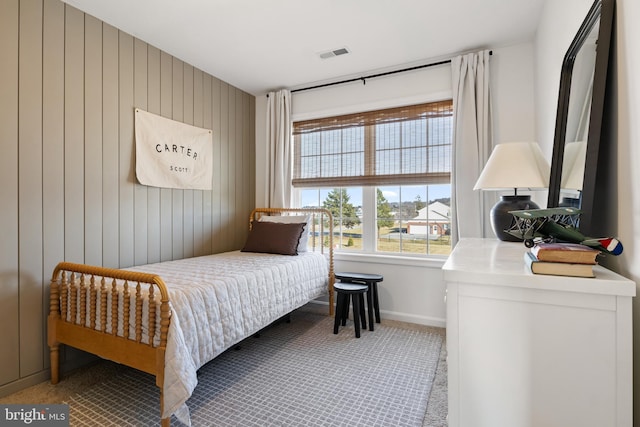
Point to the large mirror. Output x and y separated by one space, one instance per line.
577 139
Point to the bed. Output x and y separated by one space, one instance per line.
169 319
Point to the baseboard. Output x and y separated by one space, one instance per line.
25 382
78 359
413 318
403 317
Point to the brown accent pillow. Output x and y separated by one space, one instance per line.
304 239
274 238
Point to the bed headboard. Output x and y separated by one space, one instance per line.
321 238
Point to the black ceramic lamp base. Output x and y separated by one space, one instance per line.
501 219
570 202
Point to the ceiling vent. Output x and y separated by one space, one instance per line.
332 53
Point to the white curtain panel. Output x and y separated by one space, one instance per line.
472 144
279 149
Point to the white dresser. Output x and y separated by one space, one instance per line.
534 350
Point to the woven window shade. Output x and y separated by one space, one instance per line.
404 145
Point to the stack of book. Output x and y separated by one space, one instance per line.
561 259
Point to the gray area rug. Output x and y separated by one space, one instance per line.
295 374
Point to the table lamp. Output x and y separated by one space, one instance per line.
513 165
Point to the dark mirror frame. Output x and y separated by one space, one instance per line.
602 11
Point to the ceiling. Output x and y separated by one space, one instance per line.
262 45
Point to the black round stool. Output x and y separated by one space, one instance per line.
371 280
346 292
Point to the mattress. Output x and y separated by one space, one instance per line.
218 300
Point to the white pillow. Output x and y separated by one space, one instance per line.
297 219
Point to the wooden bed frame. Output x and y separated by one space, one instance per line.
70 322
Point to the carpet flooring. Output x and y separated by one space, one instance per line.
295 374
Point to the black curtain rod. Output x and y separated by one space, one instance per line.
364 78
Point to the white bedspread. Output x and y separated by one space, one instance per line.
218 300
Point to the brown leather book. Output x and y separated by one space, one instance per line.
557 268
572 253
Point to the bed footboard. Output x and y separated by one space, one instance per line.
118 315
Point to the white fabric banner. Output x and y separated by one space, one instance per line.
171 154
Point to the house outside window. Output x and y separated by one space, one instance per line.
385 175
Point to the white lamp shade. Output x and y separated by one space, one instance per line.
575 154
515 165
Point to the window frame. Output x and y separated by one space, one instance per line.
369 202
368 223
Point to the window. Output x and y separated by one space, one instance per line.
406 223
385 175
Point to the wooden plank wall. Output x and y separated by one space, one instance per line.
69 84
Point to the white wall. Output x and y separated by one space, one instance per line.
512 74
413 290
627 105
412 87
558 25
